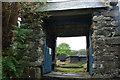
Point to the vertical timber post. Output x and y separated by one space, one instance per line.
90 53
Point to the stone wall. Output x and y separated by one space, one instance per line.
34 52
106 43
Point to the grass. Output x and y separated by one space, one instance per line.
79 64
68 67
59 69
68 64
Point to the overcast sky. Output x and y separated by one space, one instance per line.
76 43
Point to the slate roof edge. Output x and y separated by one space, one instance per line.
46 8
73 9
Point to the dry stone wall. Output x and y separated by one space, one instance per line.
34 55
105 39
106 42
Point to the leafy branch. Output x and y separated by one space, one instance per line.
13 67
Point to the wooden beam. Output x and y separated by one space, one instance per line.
72 12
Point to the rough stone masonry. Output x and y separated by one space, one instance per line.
106 42
33 55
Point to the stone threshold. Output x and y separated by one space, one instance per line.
53 74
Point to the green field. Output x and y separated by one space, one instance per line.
70 67
59 69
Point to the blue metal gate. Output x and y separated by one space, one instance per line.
90 54
47 67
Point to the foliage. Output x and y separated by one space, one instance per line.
15 38
81 51
10 13
63 48
73 51
29 15
78 51
13 67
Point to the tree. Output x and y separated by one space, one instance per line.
9 17
15 38
63 48
81 51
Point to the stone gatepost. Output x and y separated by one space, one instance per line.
106 42
34 54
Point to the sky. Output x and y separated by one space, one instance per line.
76 43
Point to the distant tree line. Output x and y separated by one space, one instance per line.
65 48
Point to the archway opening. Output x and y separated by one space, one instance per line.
67 26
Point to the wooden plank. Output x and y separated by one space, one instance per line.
47 67
72 12
90 59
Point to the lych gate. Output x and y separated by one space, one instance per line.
69 19
97 20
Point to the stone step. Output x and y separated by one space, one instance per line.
70 75
60 78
